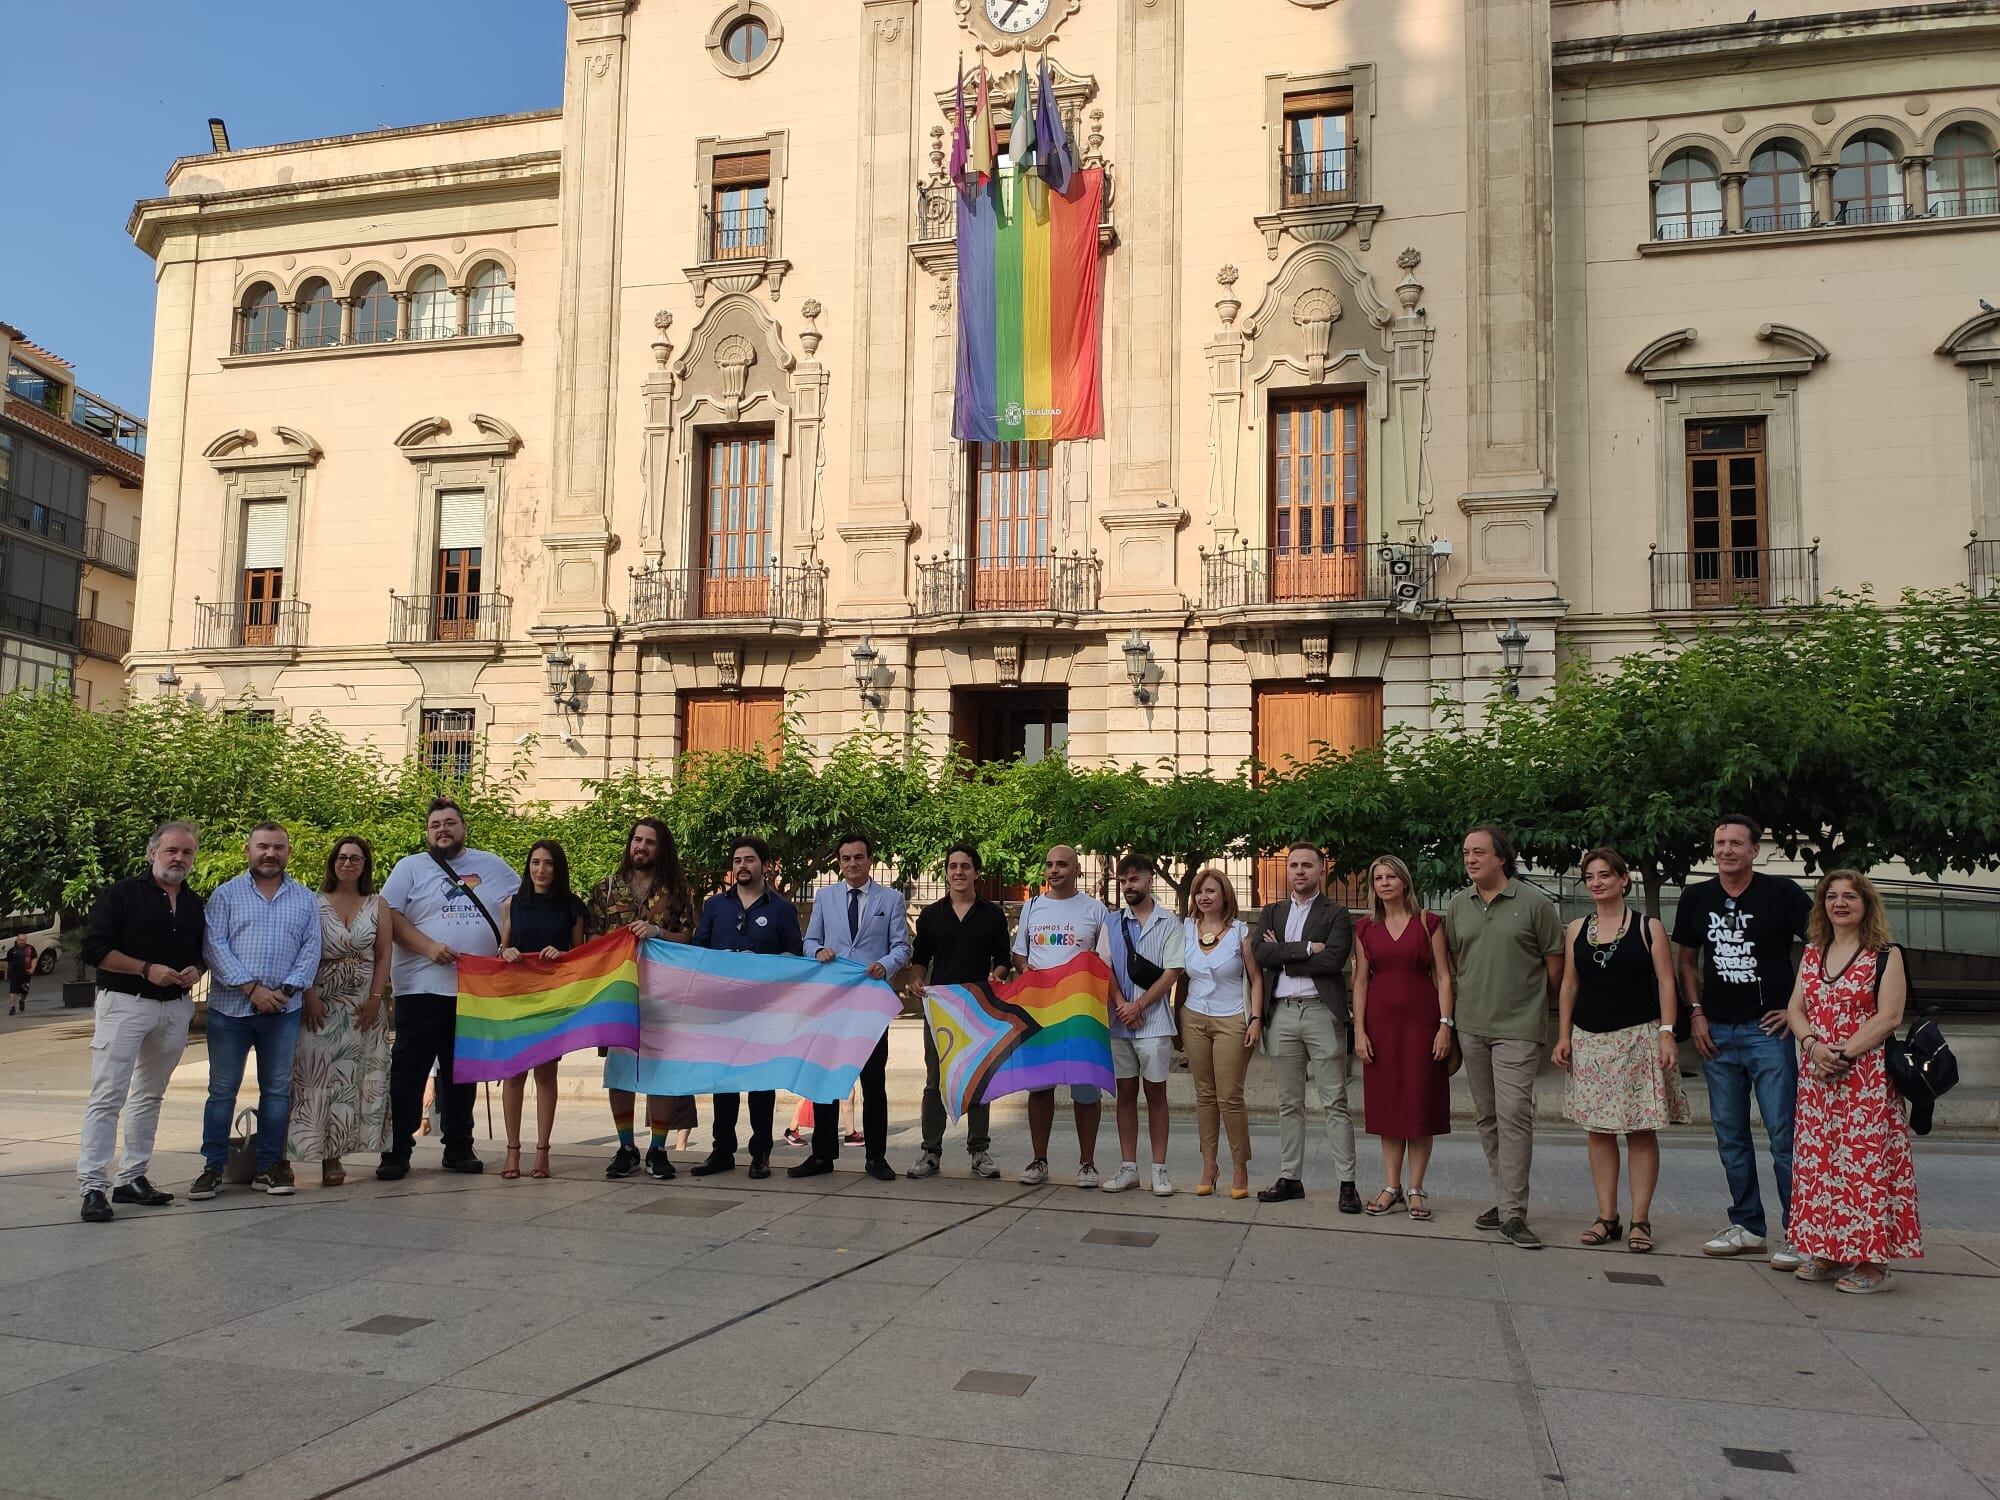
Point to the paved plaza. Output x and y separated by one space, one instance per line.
449 1336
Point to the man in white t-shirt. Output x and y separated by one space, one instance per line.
443 902
1146 949
1056 925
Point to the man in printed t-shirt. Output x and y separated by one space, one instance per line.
1057 924
1733 939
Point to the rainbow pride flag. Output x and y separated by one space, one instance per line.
729 1023
1028 366
513 1016
1049 1026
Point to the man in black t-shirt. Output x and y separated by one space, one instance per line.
961 939
1733 938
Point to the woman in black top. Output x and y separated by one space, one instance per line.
543 918
1617 1041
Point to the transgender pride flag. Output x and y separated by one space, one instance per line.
730 1023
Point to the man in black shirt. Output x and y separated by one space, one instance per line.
1733 940
749 917
144 940
961 939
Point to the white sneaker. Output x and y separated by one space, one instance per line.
926 1165
1087 1178
1735 1240
1161 1187
983 1165
1784 1257
1127 1178
1037 1172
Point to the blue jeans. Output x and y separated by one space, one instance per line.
230 1039
1747 1060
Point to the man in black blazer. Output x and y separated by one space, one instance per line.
1302 944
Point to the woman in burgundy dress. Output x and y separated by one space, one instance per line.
1402 1032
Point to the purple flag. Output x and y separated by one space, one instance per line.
1057 162
961 138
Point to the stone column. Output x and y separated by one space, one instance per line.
1732 201
1916 184
166 433
1822 193
576 533
1510 322
878 505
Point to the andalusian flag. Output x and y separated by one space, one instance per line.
1028 364
513 1016
1050 1026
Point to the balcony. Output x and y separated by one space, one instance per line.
770 600
38 520
1982 568
736 233
45 622
1365 578
1734 578
448 619
1310 178
959 586
277 625
108 642
107 549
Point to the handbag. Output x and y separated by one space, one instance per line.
1142 971
1920 1062
241 1167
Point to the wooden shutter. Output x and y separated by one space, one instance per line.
712 722
753 166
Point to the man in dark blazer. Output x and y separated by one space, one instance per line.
1302 944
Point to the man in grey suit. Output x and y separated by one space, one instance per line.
1302 944
870 924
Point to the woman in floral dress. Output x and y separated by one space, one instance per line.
340 1074
1854 1187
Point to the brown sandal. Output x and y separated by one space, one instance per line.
1601 1232
541 1159
1383 1201
511 1165
1641 1240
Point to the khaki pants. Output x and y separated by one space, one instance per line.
1501 1072
1218 1060
134 1046
1305 1031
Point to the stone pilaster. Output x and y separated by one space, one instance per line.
166 431
576 534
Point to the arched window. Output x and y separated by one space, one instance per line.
260 321
374 311
1687 201
1777 194
433 306
1868 184
1960 179
492 306
319 316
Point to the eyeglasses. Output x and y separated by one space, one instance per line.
349 859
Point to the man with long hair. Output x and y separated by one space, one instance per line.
647 896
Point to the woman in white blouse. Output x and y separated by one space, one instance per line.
1222 1018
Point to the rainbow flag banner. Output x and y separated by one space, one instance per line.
1049 1026
513 1016
1028 367
729 1023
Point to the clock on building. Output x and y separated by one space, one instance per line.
1015 16
1008 25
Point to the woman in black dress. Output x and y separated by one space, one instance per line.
543 918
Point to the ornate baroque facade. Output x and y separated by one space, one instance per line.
1420 317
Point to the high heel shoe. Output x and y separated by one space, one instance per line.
510 1168
541 1161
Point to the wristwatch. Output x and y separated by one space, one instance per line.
1666 1030
1448 1021
289 991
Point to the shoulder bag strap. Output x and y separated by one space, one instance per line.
451 876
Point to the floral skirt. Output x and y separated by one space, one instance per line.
1616 1084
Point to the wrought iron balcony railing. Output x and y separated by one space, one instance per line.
1982 567
32 516
249 624
1311 177
46 622
109 550
1051 584
1394 574
737 233
792 594
415 619
1691 227
1732 577
95 638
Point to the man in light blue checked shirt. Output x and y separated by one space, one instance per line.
263 951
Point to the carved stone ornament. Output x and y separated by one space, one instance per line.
1316 649
809 336
1229 304
663 349
972 15
1316 311
1007 662
733 357
728 666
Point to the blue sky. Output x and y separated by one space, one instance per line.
101 98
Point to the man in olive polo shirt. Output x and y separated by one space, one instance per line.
1506 957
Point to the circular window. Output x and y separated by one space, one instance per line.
744 38
745 41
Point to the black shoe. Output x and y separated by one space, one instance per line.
625 1163
714 1162
760 1167
880 1170
392 1169
812 1166
1350 1200
205 1186
141 1192
468 1163
1282 1191
1516 1232
1488 1221
97 1207
659 1165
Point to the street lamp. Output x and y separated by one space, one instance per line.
866 664
565 678
1513 656
1138 658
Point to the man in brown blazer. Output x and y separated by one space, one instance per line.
1302 944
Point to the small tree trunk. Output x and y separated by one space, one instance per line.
1651 879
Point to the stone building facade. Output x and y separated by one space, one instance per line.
616 425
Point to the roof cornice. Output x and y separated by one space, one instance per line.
1786 40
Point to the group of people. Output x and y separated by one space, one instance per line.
304 982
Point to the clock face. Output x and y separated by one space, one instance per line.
1015 16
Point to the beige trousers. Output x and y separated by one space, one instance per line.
1501 1072
1218 1060
1305 1031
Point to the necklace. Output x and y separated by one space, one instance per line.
1207 943
1601 953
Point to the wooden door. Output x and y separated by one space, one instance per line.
1010 526
263 588
1292 722
736 529
1726 511
1318 493
712 722
456 615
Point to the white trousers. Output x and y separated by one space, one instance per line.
1302 1032
134 1049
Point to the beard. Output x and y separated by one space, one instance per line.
168 875
449 848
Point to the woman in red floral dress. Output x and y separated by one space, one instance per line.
1854 1187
